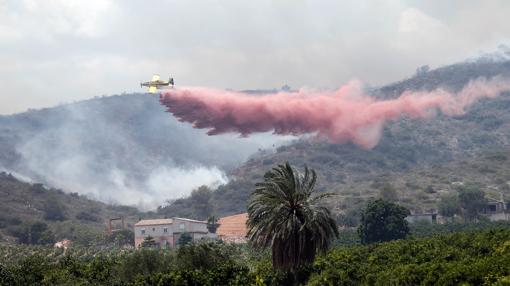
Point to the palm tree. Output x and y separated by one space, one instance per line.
283 213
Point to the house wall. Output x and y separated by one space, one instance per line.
498 216
181 225
431 218
157 232
198 230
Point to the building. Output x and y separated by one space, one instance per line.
496 210
425 217
233 228
166 232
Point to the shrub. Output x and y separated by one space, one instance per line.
204 255
86 216
460 258
184 239
33 233
54 210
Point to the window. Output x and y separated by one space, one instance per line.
143 231
153 229
165 229
181 226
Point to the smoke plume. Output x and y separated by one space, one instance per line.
120 149
343 115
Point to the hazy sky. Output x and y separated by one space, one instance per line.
58 51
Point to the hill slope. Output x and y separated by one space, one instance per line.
70 216
121 148
413 156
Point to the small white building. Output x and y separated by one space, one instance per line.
424 217
166 232
496 210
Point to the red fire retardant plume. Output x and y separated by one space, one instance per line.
346 114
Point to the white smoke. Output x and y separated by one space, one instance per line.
124 150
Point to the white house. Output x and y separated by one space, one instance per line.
166 232
422 217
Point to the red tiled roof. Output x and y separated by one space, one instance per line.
233 226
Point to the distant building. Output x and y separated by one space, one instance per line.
424 217
233 228
496 210
166 232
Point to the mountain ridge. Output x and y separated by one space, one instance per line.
408 147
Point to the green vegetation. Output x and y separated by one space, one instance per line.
449 206
284 214
383 221
468 258
472 201
460 258
34 214
184 239
148 242
34 233
54 210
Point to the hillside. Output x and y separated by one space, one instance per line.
122 148
70 216
419 159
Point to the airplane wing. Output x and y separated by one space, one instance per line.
155 77
153 89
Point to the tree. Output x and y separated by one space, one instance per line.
383 221
148 242
34 233
201 202
449 206
54 210
184 239
121 237
284 214
350 218
205 255
87 216
472 201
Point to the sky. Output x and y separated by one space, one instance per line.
61 51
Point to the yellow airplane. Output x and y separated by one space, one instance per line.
156 83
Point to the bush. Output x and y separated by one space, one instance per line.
30 270
471 258
6 277
184 239
204 255
449 206
460 258
33 233
54 210
143 262
86 216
